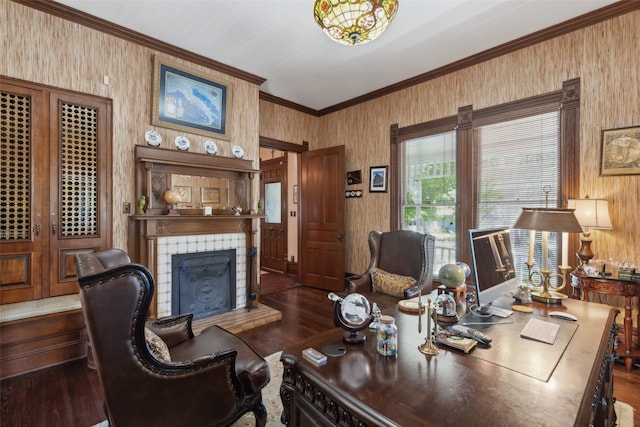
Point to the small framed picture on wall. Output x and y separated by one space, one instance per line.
378 179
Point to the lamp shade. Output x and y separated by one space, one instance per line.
353 22
548 219
591 213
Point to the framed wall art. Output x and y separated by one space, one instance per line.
184 193
378 179
189 101
354 177
620 151
209 195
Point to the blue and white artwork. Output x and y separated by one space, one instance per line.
190 101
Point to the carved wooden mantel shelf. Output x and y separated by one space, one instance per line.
179 225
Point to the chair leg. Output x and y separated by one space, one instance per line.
260 413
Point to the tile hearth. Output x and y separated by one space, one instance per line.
240 319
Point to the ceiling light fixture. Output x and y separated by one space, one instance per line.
353 22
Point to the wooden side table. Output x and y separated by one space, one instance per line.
625 288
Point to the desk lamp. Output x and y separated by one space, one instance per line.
547 220
591 213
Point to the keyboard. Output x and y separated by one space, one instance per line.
539 330
501 312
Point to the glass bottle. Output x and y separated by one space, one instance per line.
387 336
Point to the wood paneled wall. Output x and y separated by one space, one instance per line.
603 56
42 48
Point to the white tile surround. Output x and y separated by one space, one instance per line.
172 245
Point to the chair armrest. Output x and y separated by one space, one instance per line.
360 284
173 329
413 291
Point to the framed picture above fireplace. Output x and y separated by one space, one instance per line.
187 100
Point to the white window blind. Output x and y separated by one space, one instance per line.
515 162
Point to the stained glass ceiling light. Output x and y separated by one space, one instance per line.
353 22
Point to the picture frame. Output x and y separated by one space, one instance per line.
354 177
186 100
184 192
378 179
620 151
209 195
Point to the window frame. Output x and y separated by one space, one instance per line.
568 101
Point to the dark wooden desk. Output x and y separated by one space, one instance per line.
362 388
624 288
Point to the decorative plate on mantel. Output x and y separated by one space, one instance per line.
210 147
153 138
237 151
182 143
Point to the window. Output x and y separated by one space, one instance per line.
478 170
516 161
429 197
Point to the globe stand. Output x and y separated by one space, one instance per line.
354 337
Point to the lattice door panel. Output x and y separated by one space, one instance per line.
15 175
78 171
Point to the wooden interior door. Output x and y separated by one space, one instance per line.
273 228
322 218
79 184
23 228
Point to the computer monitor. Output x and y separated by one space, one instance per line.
493 267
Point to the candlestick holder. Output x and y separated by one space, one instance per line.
429 347
546 292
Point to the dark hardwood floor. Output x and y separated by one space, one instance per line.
69 395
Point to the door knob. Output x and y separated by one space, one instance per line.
340 236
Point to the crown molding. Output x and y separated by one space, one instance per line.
284 103
81 18
603 14
65 12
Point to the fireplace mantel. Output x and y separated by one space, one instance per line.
158 170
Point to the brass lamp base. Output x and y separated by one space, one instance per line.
548 297
585 253
544 292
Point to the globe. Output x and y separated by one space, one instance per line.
451 275
355 310
172 197
352 313
465 268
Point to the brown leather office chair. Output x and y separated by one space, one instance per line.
211 379
400 252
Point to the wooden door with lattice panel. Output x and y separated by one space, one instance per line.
22 239
55 187
79 188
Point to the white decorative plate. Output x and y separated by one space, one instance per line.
237 151
211 147
183 143
153 138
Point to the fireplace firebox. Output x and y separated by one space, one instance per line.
203 283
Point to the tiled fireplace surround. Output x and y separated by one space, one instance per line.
174 245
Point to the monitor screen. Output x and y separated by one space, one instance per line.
492 258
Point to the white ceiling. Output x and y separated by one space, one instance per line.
279 40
